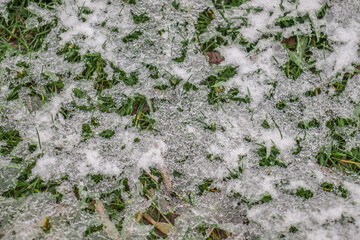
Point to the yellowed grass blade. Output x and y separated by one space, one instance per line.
347 161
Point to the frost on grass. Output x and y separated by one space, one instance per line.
179 119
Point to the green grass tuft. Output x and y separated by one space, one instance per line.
304 193
141 18
71 53
135 35
130 80
346 160
228 3
306 125
15 37
217 92
204 19
26 186
93 228
11 138
271 159
107 133
299 50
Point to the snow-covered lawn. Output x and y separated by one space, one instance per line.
184 119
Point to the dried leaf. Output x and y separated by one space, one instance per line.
214 58
163 227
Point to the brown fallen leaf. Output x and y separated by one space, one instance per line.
214 58
219 234
163 227
291 42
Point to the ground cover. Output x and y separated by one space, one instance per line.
140 119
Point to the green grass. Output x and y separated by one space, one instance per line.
208 126
78 93
271 158
11 138
322 11
130 80
93 228
262 199
140 108
228 30
288 21
47 4
281 105
95 70
106 104
25 185
304 193
71 53
154 71
205 186
84 108
148 181
130 1
204 19
306 125
293 229
175 4
133 36
236 172
54 87
141 18
32 148
161 86
14 93
228 3
340 83
114 202
340 190
172 79
299 50
345 160
265 124
313 93
97 177
15 37
107 133
189 86
217 93
248 46
86 131
211 44
298 148
66 113
184 46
